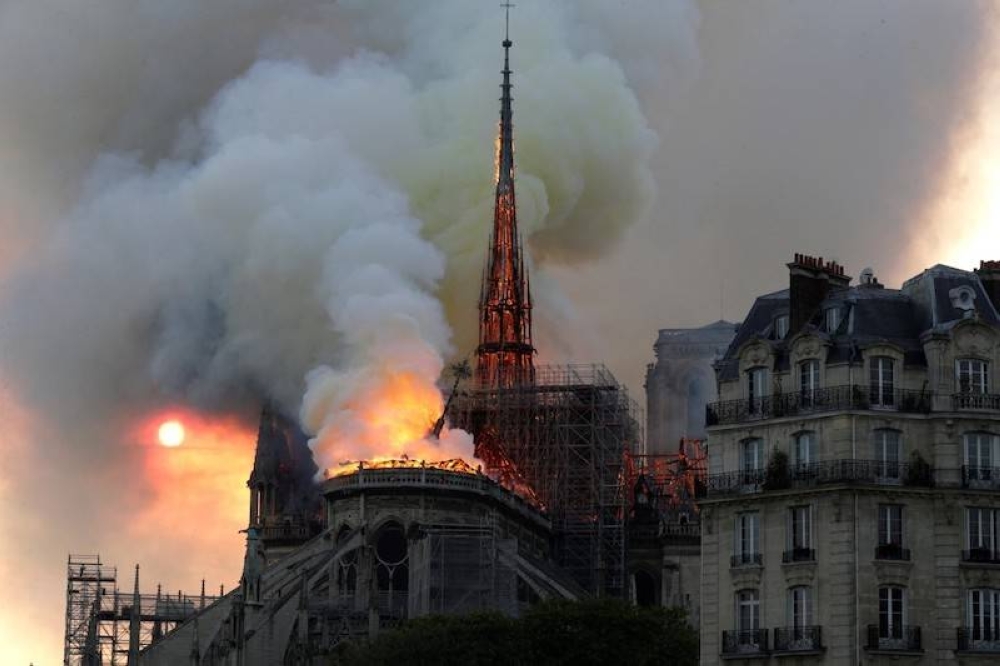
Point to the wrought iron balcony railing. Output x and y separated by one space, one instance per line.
799 555
983 555
892 551
979 639
895 638
985 478
798 639
746 560
753 642
847 470
828 399
983 402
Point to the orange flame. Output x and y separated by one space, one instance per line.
388 423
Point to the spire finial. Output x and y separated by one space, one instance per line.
506 28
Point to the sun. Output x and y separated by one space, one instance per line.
171 433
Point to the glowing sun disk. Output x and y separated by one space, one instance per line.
171 433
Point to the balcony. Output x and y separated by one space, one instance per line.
744 643
830 399
981 556
983 478
898 638
798 639
746 560
892 551
978 639
799 555
976 402
827 472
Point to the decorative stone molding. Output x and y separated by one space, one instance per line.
746 576
893 572
799 573
973 339
757 353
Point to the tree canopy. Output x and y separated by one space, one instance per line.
595 632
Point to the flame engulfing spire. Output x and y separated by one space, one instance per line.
504 358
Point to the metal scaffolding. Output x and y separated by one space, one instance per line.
562 441
101 619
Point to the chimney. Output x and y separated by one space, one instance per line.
810 279
989 275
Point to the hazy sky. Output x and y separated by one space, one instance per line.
193 193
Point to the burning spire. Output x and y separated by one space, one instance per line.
504 358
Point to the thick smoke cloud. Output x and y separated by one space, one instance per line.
210 204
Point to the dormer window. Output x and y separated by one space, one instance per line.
781 327
832 318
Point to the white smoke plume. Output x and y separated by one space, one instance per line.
210 203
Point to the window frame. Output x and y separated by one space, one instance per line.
808 381
889 526
812 447
800 607
889 608
888 469
749 599
758 388
983 614
747 538
882 381
799 527
977 376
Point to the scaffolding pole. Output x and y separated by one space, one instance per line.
98 614
565 437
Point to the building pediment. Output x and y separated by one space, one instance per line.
973 338
756 353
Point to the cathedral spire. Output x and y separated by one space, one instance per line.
505 356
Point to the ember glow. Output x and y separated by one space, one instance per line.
387 417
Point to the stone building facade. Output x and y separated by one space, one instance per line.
398 543
852 510
681 383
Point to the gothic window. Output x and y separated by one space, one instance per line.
392 577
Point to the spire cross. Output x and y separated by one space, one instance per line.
507 7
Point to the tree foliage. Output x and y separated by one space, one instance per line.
594 632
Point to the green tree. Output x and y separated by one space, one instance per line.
556 632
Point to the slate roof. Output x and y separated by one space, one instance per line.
869 315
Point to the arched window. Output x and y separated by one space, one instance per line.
392 572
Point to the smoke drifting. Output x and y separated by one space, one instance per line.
207 205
